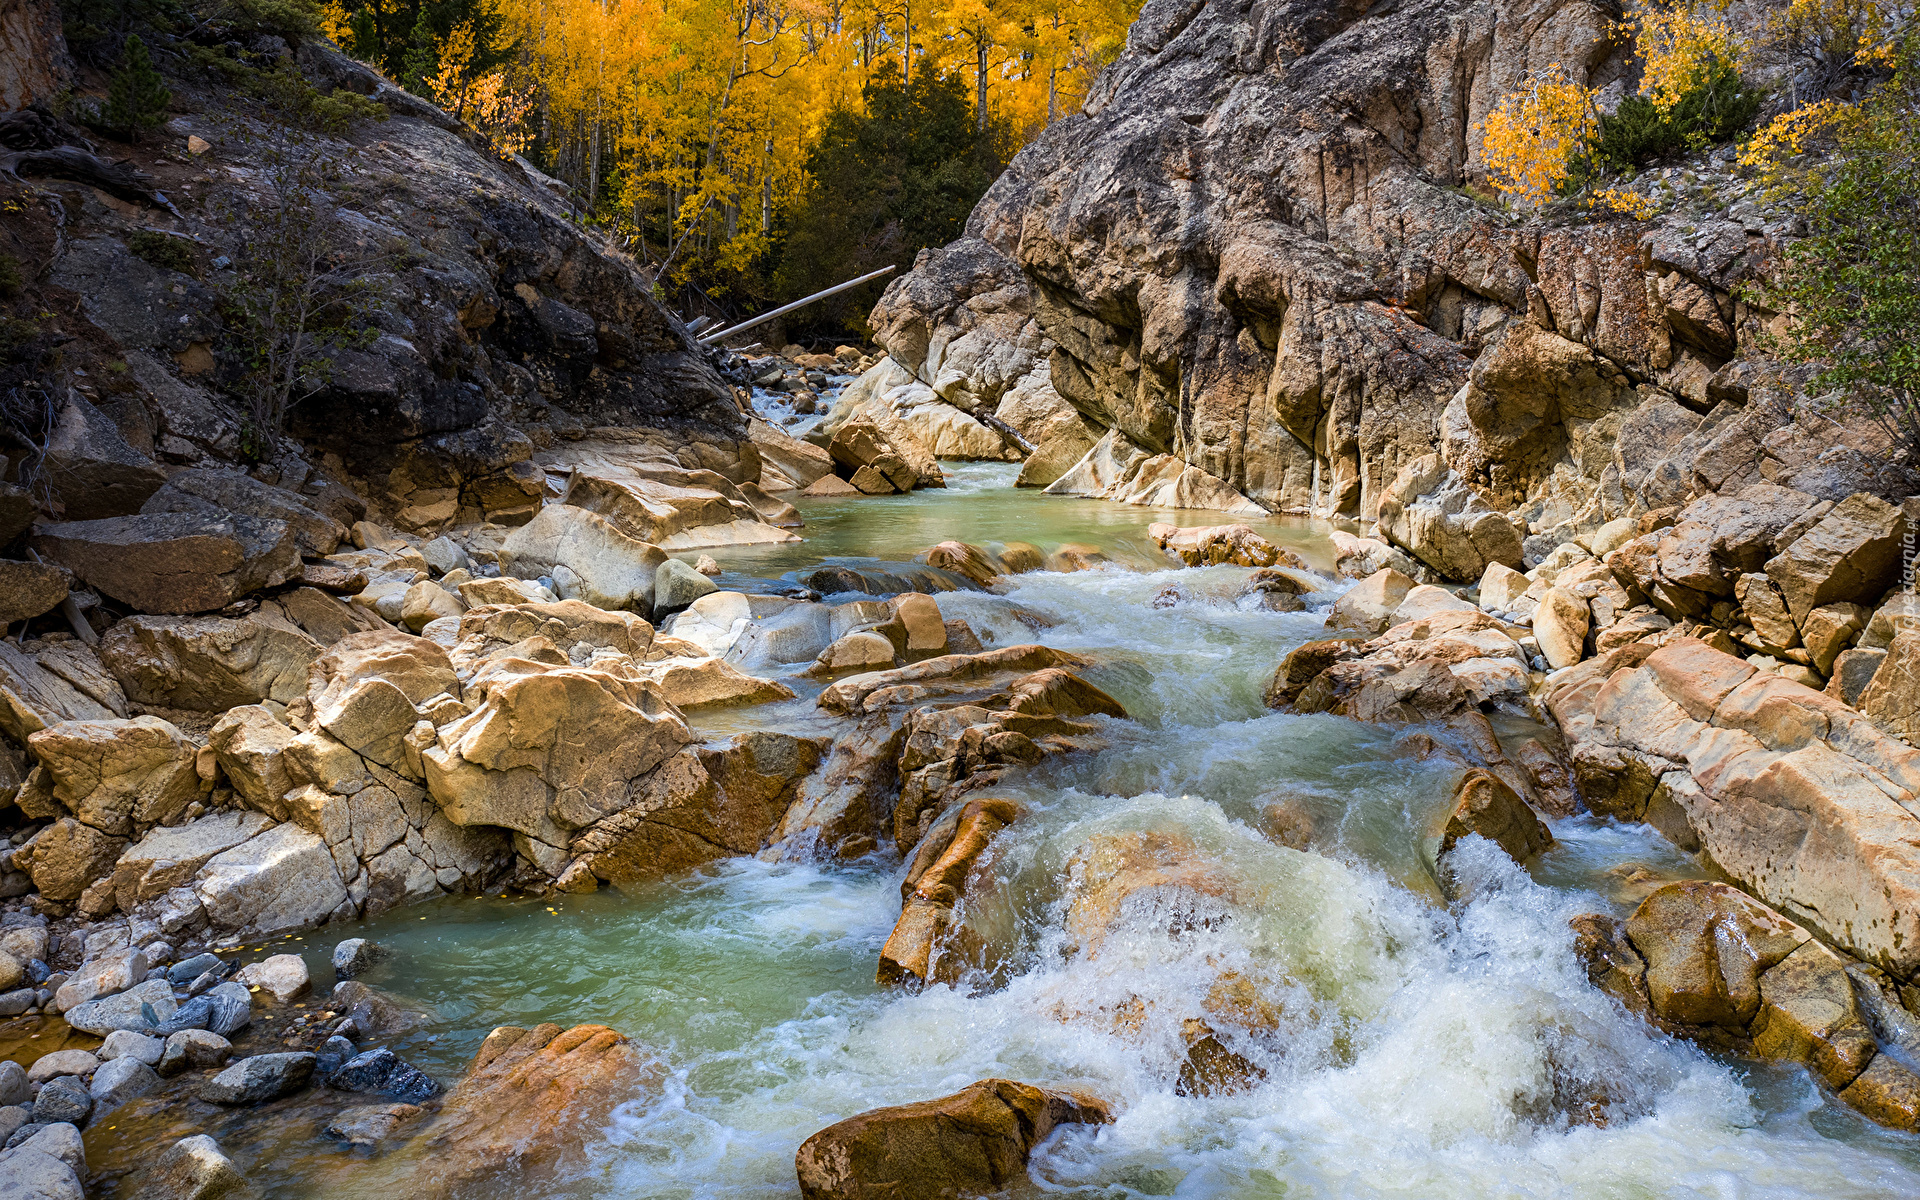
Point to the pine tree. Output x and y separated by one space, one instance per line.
137 96
423 56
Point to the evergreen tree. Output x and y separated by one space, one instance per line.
423 56
136 94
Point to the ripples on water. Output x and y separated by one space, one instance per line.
1423 1051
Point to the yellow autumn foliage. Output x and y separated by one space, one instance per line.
1533 137
1680 46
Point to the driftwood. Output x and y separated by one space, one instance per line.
69 162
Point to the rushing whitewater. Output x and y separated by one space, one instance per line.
1416 1049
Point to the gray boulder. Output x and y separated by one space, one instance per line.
91 469
190 969
190 1049
139 1008
30 1175
119 1081
28 589
676 585
260 1078
125 1043
62 1099
206 490
193 1168
14 1087
357 956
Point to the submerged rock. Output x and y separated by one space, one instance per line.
974 1141
193 1168
532 1103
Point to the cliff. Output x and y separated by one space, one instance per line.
1259 254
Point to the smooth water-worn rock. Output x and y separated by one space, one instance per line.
357 956
974 1141
283 977
260 1078
190 1049
193 1168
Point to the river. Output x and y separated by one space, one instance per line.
1424 1050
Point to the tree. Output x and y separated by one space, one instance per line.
1535 137
1851 287
301 290
137 96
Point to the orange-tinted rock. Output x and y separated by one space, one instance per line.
1486 806
972 1142
934 884
529 1106
1706 945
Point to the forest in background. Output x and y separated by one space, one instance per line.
754 151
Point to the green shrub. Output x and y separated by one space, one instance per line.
1639 132
137 97
159 250
11 278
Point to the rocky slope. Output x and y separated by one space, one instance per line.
1256 261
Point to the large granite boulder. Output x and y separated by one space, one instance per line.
210 663
587 557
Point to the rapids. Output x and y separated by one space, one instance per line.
1424 1050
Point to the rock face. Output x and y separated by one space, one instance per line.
974 1141
1242 263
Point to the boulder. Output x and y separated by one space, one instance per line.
1368 606
191 1049
1504 590
209 664
1233 545
586 556
830 486
370 689
1425 601
193 1168
125 1043
1853 670
551 751
113 972
64 858
1444 523
862 650
1808 1015
33 697
1766 611
92 471
174 562
1851 553
972 1142
504 590
1888 1093
357 956
260 1078
1796 796
119 1081
281 976
383 1071
1560 625
1485 805
1831 628
1706 946
62 1062
662 504
124 1010
370 1124
707 682
202 490
282 879
1891 699
528 1112
122 777
28 589
676 585
977 563
934 884
249 743
63 1100
427 601
375 1013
